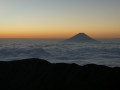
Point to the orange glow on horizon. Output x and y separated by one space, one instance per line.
56 34
59 18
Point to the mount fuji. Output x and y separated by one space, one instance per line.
81 37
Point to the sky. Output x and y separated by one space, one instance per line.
59 18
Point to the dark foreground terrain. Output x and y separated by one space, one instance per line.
37 74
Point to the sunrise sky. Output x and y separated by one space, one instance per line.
59 18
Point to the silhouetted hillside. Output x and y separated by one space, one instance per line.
81 37
37 74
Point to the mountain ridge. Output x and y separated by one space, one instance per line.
39 74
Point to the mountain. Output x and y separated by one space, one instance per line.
38 74
81 37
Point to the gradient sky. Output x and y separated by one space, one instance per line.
59 18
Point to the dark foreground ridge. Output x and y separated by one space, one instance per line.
37 74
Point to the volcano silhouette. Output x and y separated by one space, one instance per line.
81 37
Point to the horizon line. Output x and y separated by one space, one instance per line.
55 38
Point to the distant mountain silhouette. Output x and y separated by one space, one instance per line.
81 37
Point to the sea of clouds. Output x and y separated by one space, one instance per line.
103 53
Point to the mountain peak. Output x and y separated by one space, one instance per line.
81 34
81 37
